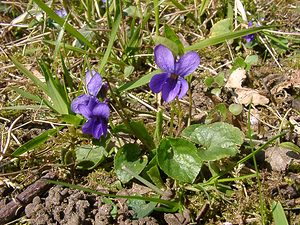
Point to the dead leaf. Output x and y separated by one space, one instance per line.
248 95
280 158
276 83
236 78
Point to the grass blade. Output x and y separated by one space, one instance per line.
56 91
138 83
66 46
171 204
30 75
112 37
222 38
35 142
278 214
73 31
27 95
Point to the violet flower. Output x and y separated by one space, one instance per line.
91 108
250 37
171 81
62 13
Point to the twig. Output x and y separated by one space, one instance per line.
10 210
8 137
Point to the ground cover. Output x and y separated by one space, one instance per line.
149 112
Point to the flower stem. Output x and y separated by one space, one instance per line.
261 197
189 79
179 114
172 119
156 10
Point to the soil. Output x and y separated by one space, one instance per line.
74 207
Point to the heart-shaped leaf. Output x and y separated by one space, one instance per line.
129 157
88 157
179 159
219 139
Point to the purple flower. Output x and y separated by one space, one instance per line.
171 81
91 108
62 13
250 37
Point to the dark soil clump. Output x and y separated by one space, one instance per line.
74 207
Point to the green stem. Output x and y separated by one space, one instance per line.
156 10
190 100
172 119
145 182
261 197
179 114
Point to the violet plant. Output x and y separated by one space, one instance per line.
250 37
179 156
91 108
62 13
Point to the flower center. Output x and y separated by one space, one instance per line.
174 76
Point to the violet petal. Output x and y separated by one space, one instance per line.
101 110
170 89
100 128
187 64
164 58
184 87
87 128
80 100
157 82
94 85
85 111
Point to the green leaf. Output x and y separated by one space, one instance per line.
56 91
29 75
23 107
35 142
158 126
223 37
203 6
141 208
66 46
170 34
68 81
219 79
139 130
168 43
128 70
27 95
73 31
278 214
179 159
136 128
219 139
221 27
87 33
129 157
71 119
251 60
235 109
291 146
88 157
209 81
154 175
138 83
